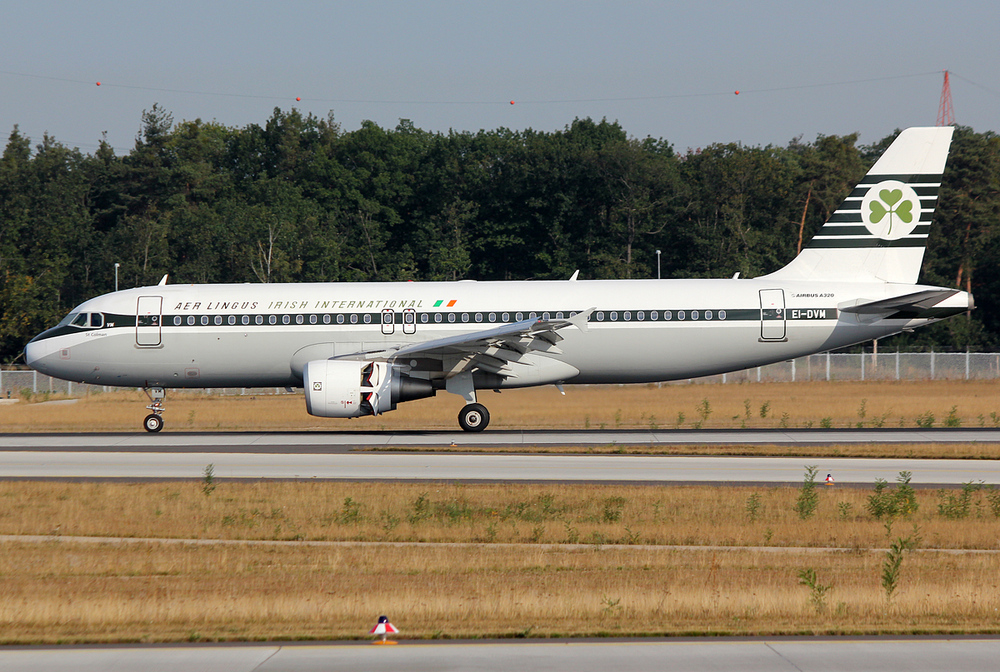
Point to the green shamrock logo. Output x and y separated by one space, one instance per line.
892 206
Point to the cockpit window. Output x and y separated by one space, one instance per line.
97 320
80 320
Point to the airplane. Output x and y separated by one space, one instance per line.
359 349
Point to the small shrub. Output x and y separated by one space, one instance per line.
844 510
808 498
753 506
208 481
817 591
925 420
704 409
613 509
765 408
957 506
953 420
826 423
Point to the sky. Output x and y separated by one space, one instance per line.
667 70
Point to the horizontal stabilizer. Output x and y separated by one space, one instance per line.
915 302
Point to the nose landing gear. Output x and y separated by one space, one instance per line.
153 422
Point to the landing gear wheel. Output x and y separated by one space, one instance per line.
152 423
473 417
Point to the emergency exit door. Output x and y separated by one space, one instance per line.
772 314
147 320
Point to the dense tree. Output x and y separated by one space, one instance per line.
298 199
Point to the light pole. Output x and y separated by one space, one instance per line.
657 264
116 275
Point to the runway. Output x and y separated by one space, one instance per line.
748 655
470 468
342 441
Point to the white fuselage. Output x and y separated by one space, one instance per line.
640 331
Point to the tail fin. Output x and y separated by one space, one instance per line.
880 230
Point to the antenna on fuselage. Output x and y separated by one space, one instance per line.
162 281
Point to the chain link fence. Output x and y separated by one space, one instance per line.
21 382
822 367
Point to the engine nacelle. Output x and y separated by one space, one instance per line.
343 388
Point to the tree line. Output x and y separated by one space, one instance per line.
299 199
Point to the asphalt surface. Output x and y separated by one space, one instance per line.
747 655
191 461
325 442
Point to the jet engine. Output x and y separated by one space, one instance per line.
345 388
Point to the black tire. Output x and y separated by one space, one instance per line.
152 423
473 417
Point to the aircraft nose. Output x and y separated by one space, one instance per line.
33 353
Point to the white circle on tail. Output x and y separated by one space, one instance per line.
891 210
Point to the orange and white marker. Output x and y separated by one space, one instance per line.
383 627
829 479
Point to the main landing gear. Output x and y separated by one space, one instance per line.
473 417
153 422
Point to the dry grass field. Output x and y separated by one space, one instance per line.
446 560
236 561
670 406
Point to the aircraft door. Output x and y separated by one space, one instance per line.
147 320
772 315
388 321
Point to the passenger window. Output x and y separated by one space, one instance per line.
437 317
218 319
190 320
340 318
667 315
245 319
451 317
204 320
505 317
259 319
177 321
272 319
722 314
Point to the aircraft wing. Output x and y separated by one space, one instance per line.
489 350
908 303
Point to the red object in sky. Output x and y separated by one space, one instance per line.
512 102
737 92
297 98
98 83
946 113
